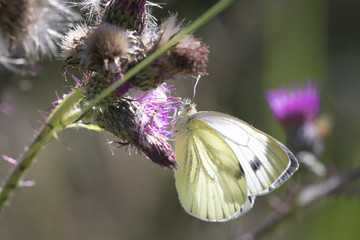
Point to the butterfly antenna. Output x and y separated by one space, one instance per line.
196 83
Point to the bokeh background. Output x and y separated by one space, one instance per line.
87 188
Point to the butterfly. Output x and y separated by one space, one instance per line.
224 163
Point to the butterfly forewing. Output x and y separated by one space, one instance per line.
266 162
209 179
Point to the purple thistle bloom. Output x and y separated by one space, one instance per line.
142 119
152 120
296 105
155 109
297 110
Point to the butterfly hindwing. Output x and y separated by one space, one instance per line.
266 162
209 179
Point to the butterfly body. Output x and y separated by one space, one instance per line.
224 163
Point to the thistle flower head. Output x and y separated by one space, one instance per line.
129 14
72 45
297 110
139 111
141 119
295 105
188 58
106 50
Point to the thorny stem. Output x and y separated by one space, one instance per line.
207 16
59 119
306 196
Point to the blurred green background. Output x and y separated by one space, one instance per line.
89 189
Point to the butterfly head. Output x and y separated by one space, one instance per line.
187 108
183 115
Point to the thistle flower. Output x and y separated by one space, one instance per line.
297 110
141 119
31 28
138 112
296 105
121 41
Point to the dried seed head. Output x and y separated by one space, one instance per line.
92 10
14 17
188 58
112 50
106 49
168 29
32 27
72 45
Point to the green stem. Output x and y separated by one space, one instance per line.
204 18
57 121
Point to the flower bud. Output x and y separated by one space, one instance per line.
128 14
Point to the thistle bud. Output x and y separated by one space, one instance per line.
95 84
128 14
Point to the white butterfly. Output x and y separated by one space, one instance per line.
224 163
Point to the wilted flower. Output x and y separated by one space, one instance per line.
120 41
188 58
297 110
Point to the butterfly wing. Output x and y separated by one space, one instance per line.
209 179
266 162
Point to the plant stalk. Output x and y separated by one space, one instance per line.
57 121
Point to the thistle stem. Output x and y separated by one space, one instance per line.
58 120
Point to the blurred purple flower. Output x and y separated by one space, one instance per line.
297 109
295 105
6 108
